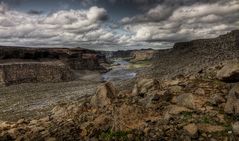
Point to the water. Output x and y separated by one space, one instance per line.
119 71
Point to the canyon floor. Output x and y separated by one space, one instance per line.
35 100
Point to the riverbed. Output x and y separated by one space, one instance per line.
120 71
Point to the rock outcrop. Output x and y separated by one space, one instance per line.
76 58
23 72
229 72
23 64
142 55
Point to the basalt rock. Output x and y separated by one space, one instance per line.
24 64
229 73
24 72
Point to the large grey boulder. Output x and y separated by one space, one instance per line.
229 72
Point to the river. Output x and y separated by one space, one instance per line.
120 71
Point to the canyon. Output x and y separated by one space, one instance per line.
190 92
25 64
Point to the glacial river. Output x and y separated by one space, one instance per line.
119 71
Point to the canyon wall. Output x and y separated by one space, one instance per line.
23 64
24 72
195 55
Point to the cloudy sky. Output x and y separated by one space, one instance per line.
114 24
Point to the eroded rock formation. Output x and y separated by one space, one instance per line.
23 64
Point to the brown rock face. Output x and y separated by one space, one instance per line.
141 55
76 58
22 72
22 64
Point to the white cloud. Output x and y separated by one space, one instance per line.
158 27
181 23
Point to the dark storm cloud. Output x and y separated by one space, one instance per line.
35 12
172 21
115 24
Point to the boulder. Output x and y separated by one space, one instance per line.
216 99
191 129
235 128
210 128
190 101
144 86
229 73
104 95
175 109
200 91
232 104
175 89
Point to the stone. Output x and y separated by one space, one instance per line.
135 90
175 89
4 125
200 91
229 72
187 100
175 109
144 86
232 104
51 139
235 128
104 95
191 129
210 128
216 99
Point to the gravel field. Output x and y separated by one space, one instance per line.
36 99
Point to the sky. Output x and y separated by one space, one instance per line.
114 24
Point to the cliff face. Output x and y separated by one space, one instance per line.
141 55
23 72
22 64
135 55
76 58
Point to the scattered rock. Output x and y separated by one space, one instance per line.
189 100
200 91
216 99
232 104
104 95
144 86
191 129
175 109
210 128
229 73
175 89
235 128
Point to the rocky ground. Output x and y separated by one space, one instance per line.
203 106
34 100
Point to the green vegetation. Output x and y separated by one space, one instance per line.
187 115
139 64
114 135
